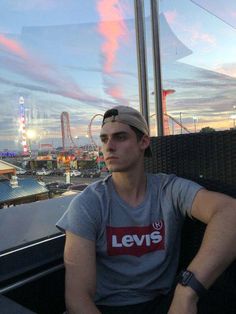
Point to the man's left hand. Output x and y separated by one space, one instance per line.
184 301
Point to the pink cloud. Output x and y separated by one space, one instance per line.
112 30
12 46
204 37
35 69
194 32
227 69
115 92
170 16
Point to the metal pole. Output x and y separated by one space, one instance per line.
180 121
157 67
141 58
234 107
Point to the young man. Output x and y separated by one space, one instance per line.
123 232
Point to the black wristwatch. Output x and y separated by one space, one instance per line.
187 278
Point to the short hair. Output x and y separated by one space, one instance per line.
139 135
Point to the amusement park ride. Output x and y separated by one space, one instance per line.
90 129
22 121
67 138
68 141
70 150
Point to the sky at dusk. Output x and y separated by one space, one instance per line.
80 57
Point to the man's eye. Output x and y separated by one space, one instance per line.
103 139
121 137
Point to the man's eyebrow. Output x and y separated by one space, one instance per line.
114 134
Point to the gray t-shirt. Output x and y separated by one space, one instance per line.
137 249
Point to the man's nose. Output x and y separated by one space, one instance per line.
110 145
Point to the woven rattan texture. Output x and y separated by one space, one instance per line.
199 156
209 159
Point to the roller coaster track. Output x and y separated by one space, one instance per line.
90 128
97 115
174 120
67 140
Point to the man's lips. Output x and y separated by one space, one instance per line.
111 158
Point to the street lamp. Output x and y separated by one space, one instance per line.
233 117
195 119
77 140
180 121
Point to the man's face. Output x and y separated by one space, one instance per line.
120 146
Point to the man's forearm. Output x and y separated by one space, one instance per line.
217 251
218 248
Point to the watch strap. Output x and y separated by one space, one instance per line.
187 278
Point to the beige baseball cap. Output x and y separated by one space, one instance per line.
129 116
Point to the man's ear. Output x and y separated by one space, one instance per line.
145 141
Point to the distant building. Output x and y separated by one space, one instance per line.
7 169
14 190
20 191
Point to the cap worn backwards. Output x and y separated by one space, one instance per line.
129 116
126 115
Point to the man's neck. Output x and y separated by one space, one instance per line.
131 187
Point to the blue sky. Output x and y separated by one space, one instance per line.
59 56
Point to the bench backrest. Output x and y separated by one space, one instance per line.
209 159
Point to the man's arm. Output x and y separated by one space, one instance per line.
217 250
80 279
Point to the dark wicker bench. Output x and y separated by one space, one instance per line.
210 160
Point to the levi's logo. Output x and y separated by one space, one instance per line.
135 241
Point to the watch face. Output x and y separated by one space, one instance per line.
186 276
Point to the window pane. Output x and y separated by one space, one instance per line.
62 64
198 48
63 56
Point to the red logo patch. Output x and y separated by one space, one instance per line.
135 241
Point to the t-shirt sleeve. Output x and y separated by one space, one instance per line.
81 217
183 193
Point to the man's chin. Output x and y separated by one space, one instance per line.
115 169
111 170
